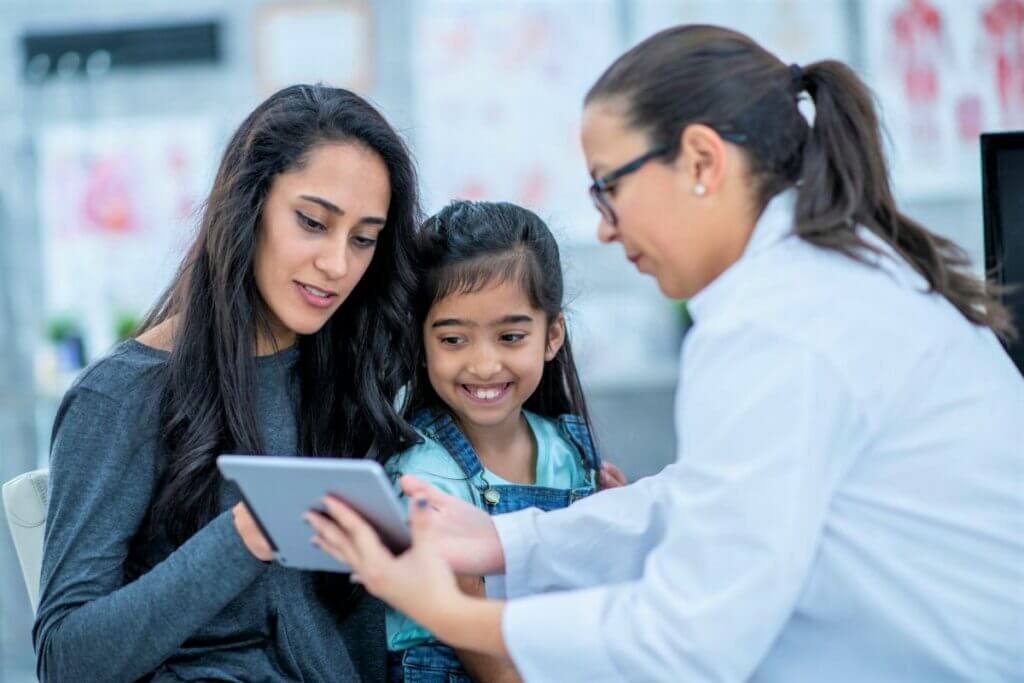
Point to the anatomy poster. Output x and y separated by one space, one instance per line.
498 91
945 71
117 205
799 31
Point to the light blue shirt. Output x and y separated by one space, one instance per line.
847 503
558 466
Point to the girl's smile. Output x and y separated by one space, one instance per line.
489 394
485 353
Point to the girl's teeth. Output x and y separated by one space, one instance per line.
487 394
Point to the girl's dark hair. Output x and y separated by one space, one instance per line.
349 372
469 246
725 80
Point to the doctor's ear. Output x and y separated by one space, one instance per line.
702 159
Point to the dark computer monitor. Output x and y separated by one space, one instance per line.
1002 182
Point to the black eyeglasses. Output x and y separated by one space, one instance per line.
600 186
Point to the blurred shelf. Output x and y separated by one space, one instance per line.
655 377
953 193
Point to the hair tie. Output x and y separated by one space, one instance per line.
796 76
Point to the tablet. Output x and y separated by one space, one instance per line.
280 490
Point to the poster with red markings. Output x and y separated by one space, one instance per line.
944 72
798 31
117 205
498 92
1002 29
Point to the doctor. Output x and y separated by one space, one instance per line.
848 498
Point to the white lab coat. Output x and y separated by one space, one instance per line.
847 502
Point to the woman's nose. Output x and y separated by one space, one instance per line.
333 261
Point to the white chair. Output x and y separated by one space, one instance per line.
25 500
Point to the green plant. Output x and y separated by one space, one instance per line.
125 324
62 327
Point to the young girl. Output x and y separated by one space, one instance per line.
496 396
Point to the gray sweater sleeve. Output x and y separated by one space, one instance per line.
90 624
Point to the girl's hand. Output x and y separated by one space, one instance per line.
418 582
254 540
610 477
463 534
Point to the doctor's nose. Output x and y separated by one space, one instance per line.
606 232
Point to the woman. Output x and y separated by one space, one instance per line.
283 332
846 501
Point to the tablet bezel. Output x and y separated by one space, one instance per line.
279 490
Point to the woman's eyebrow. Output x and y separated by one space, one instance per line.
337 210
330 206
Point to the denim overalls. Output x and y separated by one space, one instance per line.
435 662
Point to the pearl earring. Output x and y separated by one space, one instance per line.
700 190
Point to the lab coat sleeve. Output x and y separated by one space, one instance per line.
767 431
557 550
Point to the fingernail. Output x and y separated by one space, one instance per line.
421 503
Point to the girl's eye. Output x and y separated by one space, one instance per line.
512 337
308 223
451 341
365 242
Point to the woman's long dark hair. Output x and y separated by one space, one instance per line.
349 371
723 79
469 246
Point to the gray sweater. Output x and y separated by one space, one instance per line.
119 603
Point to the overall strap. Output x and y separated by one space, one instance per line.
423 419
575 430
441 427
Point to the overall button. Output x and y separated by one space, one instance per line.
492 497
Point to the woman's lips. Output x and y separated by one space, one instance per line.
314 299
